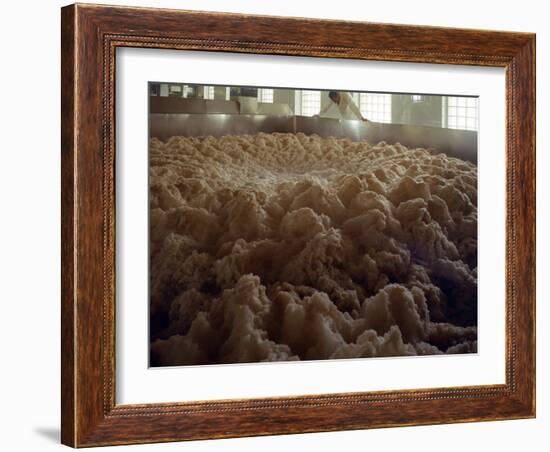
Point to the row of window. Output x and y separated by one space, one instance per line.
457 112
376 107
179 90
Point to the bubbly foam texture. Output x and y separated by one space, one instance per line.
275 247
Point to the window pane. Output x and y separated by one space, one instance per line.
209 92
265 95
375 107
311 103
462 113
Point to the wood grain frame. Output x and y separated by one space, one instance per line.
90 36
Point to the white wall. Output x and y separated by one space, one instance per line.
29 239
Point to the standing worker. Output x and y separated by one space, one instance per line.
346 106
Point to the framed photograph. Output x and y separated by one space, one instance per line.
281 225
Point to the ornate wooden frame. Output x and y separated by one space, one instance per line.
90 35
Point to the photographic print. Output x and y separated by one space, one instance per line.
293 224
267 231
